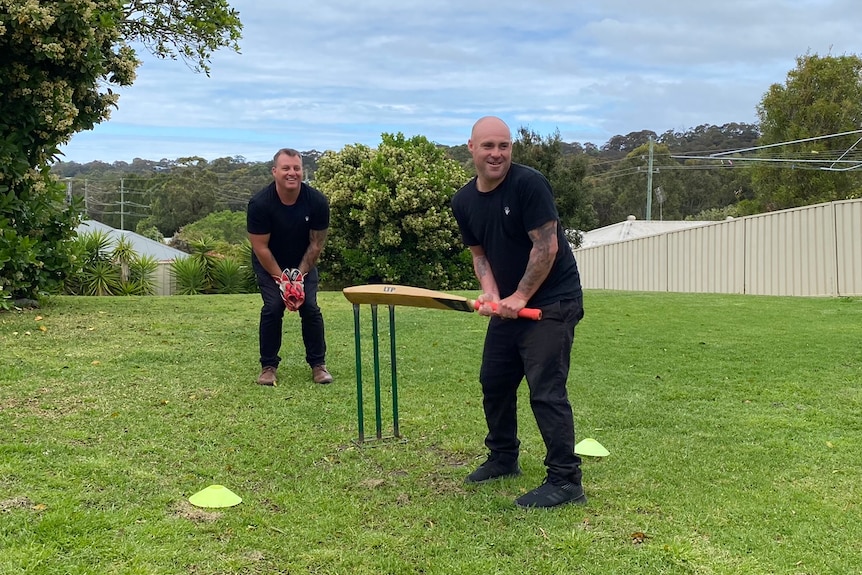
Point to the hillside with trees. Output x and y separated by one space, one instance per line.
595 185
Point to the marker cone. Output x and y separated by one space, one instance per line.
215 496
591 448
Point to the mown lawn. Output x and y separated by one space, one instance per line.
733 425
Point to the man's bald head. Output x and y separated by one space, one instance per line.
490 124
490 145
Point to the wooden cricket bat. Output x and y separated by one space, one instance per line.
387 294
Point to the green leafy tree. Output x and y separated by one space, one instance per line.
624 191
821 96
222 226
191 30
225 229
188 195
149 231
60 61
565 173
54 55
391 221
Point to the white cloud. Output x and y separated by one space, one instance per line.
330 73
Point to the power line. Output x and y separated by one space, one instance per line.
849 159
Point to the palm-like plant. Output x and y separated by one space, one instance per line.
92 254
101 278
122 255
227 276
203 250
191 276
141 270
94 246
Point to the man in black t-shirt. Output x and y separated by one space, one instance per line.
287 224
521 257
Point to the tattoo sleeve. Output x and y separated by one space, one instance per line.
317 239
542 257
483 271
481 267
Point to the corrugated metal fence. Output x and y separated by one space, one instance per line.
809 251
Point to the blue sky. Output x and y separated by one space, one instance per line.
329 73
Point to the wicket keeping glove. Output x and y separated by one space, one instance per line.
292 286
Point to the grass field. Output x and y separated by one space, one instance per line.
734 425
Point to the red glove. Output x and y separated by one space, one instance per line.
292 287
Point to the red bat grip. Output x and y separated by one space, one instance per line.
526 313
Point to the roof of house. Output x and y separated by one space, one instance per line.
140 244
632 228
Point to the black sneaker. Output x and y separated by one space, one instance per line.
553 492
493 469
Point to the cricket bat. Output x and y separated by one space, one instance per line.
387 294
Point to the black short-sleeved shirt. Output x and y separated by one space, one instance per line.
288 226
499 222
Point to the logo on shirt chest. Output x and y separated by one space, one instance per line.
506 210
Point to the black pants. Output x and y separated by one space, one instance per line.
541 352
272 315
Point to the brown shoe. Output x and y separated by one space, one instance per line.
320 375
267 376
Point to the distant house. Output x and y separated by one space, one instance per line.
633 228
164 255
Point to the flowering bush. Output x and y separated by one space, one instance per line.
390 216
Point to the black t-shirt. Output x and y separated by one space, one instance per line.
288 226
500 220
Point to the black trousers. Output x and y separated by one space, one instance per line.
539 351
272 316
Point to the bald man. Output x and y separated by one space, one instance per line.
521 258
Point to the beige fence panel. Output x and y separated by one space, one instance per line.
708 259
591 265
164 280
791 253
848 231
636 265
809 251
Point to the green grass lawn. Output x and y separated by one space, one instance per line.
734 425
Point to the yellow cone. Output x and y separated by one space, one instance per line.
591 448
215 496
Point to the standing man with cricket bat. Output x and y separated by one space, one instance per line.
521 257
287 224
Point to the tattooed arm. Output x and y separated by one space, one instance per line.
317 239
482 268
542 257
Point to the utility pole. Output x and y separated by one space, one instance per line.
122 205
649 183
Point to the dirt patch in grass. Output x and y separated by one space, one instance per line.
449 458
443 485
19 503
43 405
185 510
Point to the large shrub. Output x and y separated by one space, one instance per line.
390 216
54 56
